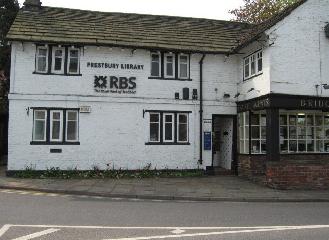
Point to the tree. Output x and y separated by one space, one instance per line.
258 11
8 12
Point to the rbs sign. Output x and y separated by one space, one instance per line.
113 84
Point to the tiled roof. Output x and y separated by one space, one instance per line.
62 25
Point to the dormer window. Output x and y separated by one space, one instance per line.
42 59
253 65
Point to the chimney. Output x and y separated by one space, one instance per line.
32 4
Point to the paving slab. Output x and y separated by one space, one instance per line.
212 188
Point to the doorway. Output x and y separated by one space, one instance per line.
224 143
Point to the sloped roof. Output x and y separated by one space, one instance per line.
257 30
62 25
73 26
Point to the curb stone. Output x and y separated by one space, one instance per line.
167 197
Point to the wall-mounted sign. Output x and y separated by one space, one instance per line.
85 109
114 84
207 141
124 66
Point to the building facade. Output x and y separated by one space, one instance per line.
129 91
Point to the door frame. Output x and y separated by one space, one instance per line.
234 164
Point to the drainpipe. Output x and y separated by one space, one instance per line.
201 108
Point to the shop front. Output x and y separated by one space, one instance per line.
283 140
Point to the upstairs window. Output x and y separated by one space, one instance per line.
253 65
42 59
169 65
183 66
58 60
155 65
73 61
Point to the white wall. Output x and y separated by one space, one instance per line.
114 133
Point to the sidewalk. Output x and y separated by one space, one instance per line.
214 188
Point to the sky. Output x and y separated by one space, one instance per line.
213 9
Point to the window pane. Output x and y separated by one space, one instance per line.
253 65
74 53
310 133
183 70
72 133
301 132
182 118
182 132
43 52
263 146
284 132
254 119
326 120
319 134
40 115
56 130
283 119
246 68
255 132
155 58
284 145
310 120
319 146
155 69
154 132
292 146
170 71
74 63
168 118
154 117
292 120
292 133
168 131
260 63
255 146
301 146
310 145
183 59
58 64
39 130
72 116
42 64
326 146
326 133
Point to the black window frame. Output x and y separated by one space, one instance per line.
175 125
176 70
50 59
48 124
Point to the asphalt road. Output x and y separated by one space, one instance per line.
28 215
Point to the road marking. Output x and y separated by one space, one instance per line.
37 234
211 233
178 231
4 229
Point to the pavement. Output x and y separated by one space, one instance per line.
210 188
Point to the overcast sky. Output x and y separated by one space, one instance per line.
214 9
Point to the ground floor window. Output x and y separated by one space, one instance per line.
167 127
252 132
55 126
302 132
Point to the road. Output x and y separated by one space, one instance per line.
33 215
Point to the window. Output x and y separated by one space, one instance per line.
42 60
39 125
72 126
169 65
252 132
155 64
168 127
56 126
50 125
154 127
253 65
304 132
62 60
183 66
182 127
73 61
58 60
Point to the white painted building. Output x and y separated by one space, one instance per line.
126 90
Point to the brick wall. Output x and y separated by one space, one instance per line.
299 172
252 167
